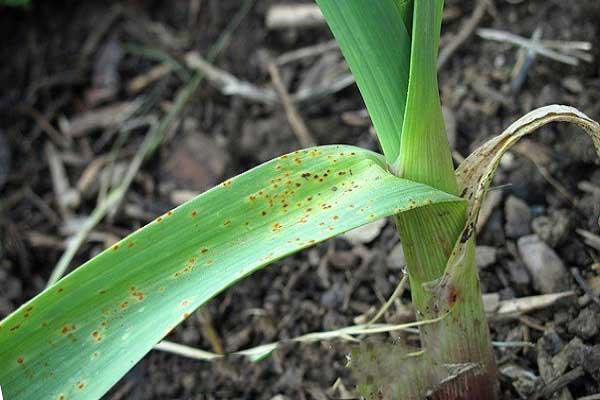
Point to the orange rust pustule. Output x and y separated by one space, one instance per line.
452 295
68 329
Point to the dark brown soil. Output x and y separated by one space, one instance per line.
53 70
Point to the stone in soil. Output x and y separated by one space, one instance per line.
485 256
518 217
578 354
518 274
333 298
366 233
546 268
395 259
552 229
586 325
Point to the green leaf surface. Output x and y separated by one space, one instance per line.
425 154
78 337
374 40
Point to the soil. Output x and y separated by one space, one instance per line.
63 58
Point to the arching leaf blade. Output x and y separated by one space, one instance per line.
78 337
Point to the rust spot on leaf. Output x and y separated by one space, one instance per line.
136 293
115 247
67 329
194 213
452 295
20 360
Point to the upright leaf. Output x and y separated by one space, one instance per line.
374 40
425 156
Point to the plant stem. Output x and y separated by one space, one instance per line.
428 235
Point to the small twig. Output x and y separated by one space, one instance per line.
507 37
590 397
502 345
66 197
590 239
305 52
568 46
208 330
259 352
317 91
397 292
102 117
525 59
514 308
465 32
294 16
227 83
531 323
297 124
587 187
50 214
138 83
581 282
46 126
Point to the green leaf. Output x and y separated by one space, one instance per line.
425 154
78 337
374 40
